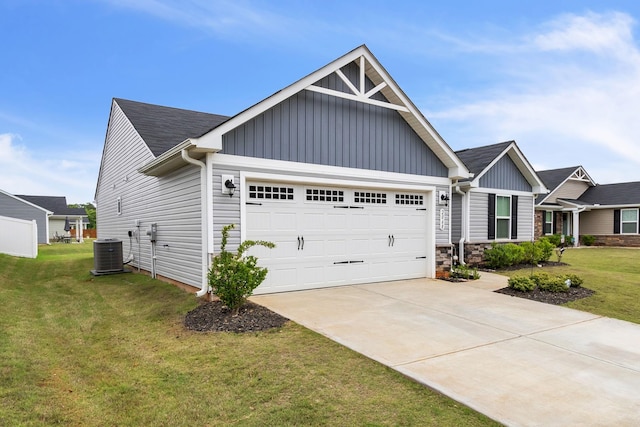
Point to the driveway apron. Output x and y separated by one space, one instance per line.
520 362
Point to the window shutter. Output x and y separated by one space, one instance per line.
514 217
491 216
554 222
616 221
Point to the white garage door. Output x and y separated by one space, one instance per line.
330 236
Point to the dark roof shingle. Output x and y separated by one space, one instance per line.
624 193
477 159
162 128
56 204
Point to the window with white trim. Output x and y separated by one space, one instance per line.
503 217
629 221
548 222
119 206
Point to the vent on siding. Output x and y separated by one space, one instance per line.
107 256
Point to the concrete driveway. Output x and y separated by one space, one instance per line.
520 362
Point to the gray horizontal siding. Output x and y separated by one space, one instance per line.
478 210
316 128
505 175
172 201
456 217
14 208
442 236
525 218
226 210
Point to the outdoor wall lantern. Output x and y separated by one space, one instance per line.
444 198
228 186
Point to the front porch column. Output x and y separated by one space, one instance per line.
576 228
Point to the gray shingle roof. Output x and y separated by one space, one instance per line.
55 204
624 193
477 159
162 128
552 178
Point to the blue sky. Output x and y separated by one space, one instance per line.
562 78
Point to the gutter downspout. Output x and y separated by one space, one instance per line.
463 226
203 213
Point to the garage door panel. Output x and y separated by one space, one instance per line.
347 238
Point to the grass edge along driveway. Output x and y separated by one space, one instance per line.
111 350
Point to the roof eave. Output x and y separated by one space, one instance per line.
172 160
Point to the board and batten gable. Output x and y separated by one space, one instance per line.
570 189
505 175
316 128
171 201
13 207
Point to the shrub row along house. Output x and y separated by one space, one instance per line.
340 170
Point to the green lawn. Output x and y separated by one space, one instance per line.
80 350
614 273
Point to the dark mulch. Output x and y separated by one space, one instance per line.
216 317
556 298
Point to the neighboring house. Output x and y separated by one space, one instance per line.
497 203
20 208
62 216
339 169
577 206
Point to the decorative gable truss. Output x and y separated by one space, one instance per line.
360 92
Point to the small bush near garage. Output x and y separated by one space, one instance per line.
522 283
234 277
464 272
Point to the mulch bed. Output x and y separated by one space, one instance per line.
214 316
556 298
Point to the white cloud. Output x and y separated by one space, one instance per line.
570 97
65 173
222 17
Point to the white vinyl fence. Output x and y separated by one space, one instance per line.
18 237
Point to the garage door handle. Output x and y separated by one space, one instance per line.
389 243
421 257
341 262
303 243
393 240
298 242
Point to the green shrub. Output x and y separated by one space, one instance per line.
539 278
576 281
555 239
588 239
233 277
543 249
495 257
545 282
529 253
502 255
522 283
554 284
463 271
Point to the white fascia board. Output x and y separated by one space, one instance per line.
262 106
213 139
523 165
313 172
631 206
165 157
501 191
